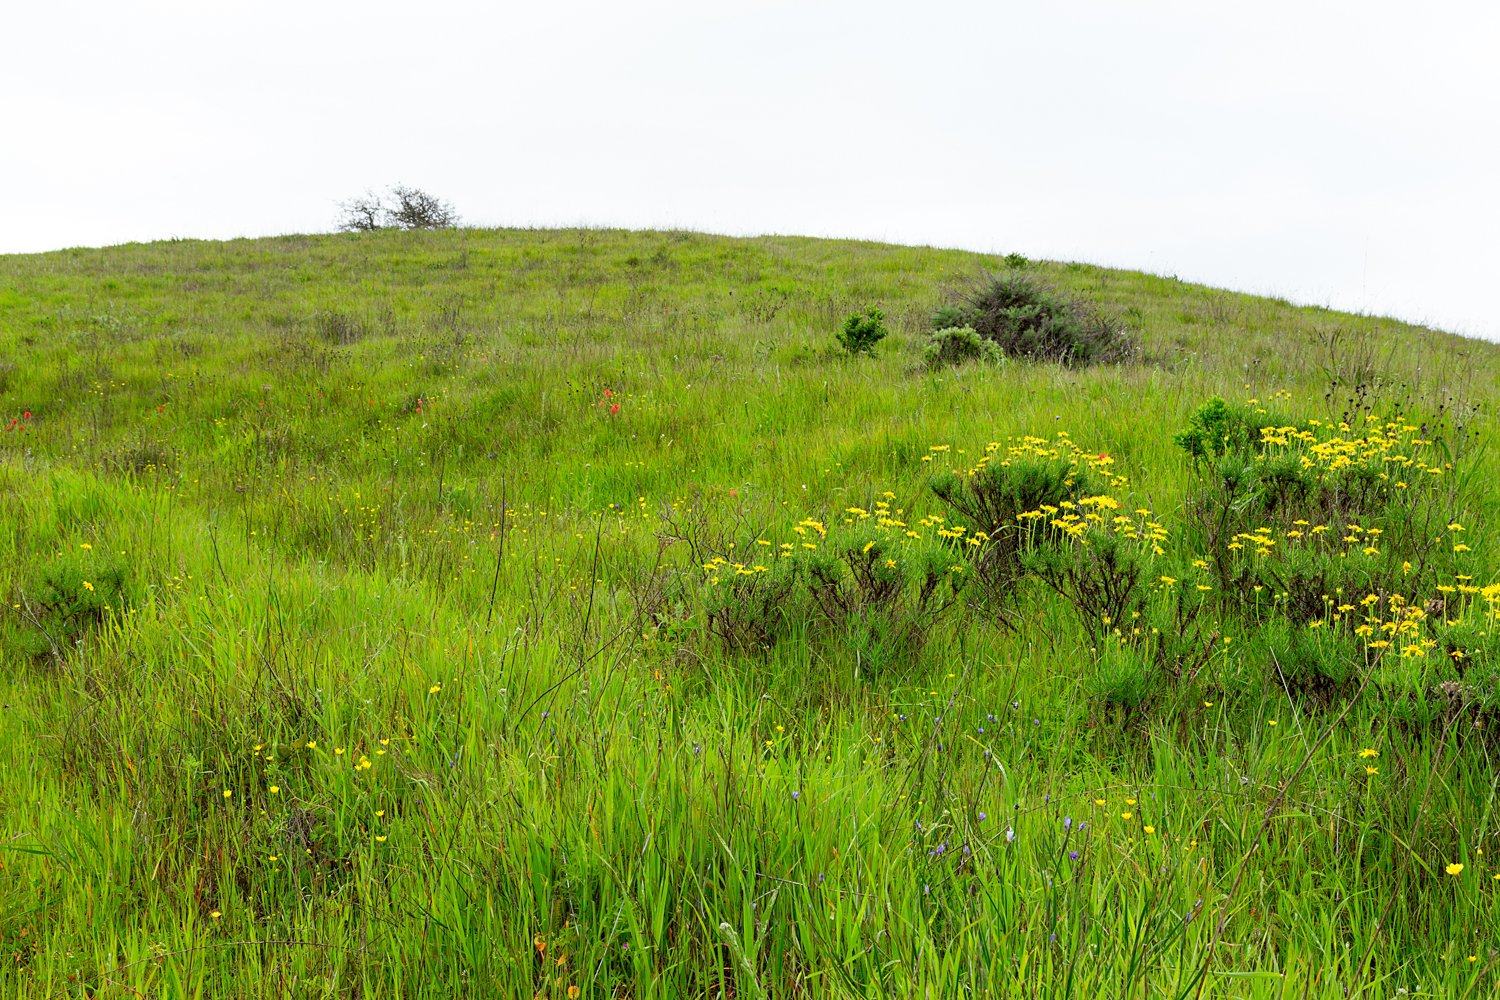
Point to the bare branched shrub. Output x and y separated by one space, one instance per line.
408 208
362 215
416 209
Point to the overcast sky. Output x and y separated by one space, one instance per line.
1332 153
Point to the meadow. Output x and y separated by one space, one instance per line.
560 614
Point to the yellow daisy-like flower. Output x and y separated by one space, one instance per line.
1150 829
1125 815
1454 868
216 914
379 840
228 794
1367 752
275 789
1098 802
1372 770
434 689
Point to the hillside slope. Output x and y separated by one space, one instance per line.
501 612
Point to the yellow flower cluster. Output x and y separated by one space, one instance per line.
1389 446
1075 520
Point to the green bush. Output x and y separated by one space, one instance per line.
1218 428
1026 319
61 603
863 592
883 600
957 344
991 499
861 333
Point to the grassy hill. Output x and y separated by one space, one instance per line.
519 613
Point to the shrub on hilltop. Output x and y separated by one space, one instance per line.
409 208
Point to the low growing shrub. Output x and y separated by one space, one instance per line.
956 344
864 589
1033 475
62 602
1026 319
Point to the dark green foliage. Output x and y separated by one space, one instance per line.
1317 670
753 612
861 333
1125 680
950 317
1102 579
885 604
61 603
1026 319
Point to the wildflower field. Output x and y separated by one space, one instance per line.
562 614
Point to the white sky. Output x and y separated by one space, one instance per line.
1334 153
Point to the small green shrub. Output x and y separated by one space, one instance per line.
993 497
862 591
861 333
951 317
751 612
1312 664
61 603
1026 319
955 345
1104 578
1218 428
882 600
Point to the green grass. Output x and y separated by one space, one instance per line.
356 645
